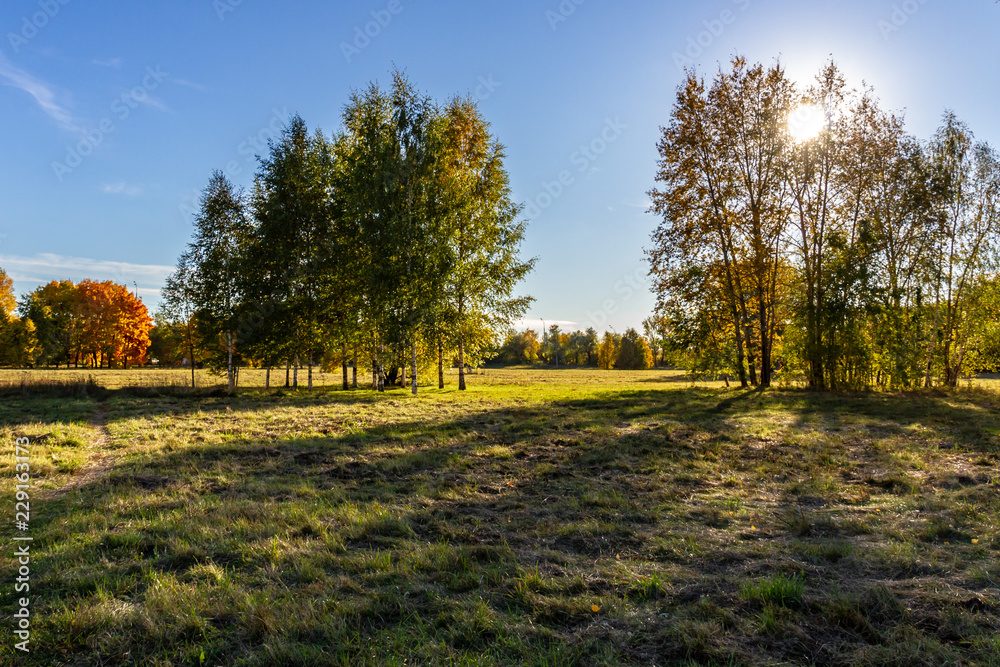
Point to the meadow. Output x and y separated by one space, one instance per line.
570 517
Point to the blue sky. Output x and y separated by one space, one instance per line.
116 112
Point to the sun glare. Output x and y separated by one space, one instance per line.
806 122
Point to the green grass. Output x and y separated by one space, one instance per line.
544 517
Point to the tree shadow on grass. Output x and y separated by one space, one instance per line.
527 509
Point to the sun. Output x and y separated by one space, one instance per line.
806 122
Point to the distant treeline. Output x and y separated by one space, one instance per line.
628 351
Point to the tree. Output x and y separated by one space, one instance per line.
654 331
607 355
723 202
132 327
179 306
18 343
484 232
593 345
167 343
212 260
633 352
520 348
858 253
386 189
291 260
51 308
967 177
7 299
113 324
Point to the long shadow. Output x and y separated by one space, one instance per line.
562 484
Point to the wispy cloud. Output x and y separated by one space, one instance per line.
44 267
43 94
537 324
122 189
151 101
189 84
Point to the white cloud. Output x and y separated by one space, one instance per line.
111 62
537 324
122 189
43 94
45 267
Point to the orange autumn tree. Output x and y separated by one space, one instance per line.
113 325
133 326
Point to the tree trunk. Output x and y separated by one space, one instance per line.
344 365
413 367
288 371
295 373
765 351
267 379
440 364
229 345
461 364
354 370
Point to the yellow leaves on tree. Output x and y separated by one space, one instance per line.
607 354
7 300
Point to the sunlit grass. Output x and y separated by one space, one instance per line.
542 517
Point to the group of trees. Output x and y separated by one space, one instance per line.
395 241
853 256
94 324
628 351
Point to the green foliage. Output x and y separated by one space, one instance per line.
520 348
52 308
395 238
633 352
18 342
852 259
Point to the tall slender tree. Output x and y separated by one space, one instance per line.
484 232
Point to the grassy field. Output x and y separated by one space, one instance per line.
542 517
